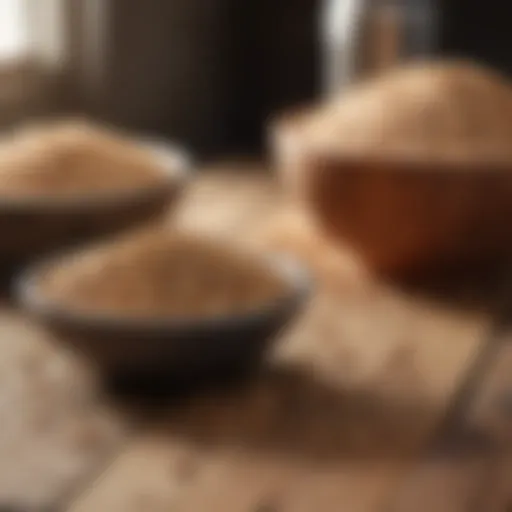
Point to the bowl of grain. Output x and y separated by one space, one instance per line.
66 182
411 169
166 303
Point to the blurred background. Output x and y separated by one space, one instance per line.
209 72
373 374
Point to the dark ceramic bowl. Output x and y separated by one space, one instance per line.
177 348
30 228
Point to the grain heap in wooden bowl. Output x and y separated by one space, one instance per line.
413 169
162 275
437 111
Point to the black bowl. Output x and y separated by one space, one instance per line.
33 227
170 349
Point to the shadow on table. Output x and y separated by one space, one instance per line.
477 288
288 411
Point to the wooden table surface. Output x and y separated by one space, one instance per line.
376 399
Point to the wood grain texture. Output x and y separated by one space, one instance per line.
337 419
444 484
490 415
349 401
498 494
351 396
490 411
469 468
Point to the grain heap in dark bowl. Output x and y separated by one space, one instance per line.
67 182
73 158
161 274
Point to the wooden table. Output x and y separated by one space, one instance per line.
377 399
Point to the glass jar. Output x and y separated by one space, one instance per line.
364 37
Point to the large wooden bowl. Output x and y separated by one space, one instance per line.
402 216
32 227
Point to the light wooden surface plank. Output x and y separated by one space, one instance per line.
472 467
353 394
490 411
498 492
491 415
337 420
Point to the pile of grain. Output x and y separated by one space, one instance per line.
73 157
438 110
162 275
